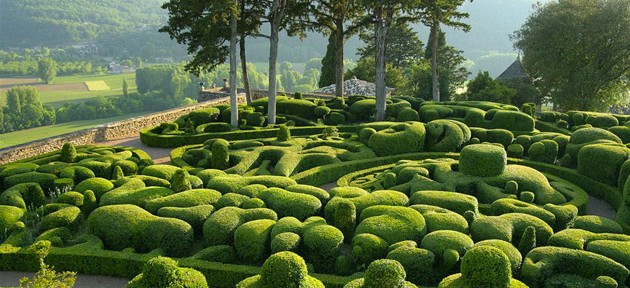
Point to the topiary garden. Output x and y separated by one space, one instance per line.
449 194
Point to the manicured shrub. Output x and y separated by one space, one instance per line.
321 111
180 181
381 197
398 139
100 167
445 242
322 244
220 154
77 173
543 262
255 119
282 270
504 206
482 160
195 215
363 109
544 151
164 272
418 263
287 203
335 118
231 200
483 267
52 167
72 198
190 198
205 115
69 217
510 251
163 171
152 181
515 151
446 135
89 202
220 226
219 253
68 153
456 202
368 247
128 167
24 195
382 273
286 241
623 132
232 183
298 107
602 162
392 223
509 227
122 226
602 120
214 127
284 134
43 179
9 215
408 114
580 239
317 192
438 218
597 224
252 240
129 194
345 218
501 136
530 180
587 135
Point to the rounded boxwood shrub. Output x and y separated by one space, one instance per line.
77 173
335 118
597 224
363 109
322 244
382 273
218 253
282 270
205 115
256 119
220 226
287 203
163 171
592 134
408 114
456 202
9 215
190 198
286 241
392 223
43 179
24 195
438 218
164 272
446 135
544 151
195 216
440 242
130 194
368 247
506 247
602 162
123 226
252 240
398 139
482 160
509 227
69 217
68 153
515 150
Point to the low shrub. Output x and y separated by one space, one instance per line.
97 185
544 151
602 162
195 215
253 239
190 198
164 272
122 226
398 139
510 251
510 227
382 273
597 224
45 180
287 203
392 223
24 195
446 135
438 218
69 217
456 202
482 160
282 270
220 226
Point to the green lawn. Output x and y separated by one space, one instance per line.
113 80
58 98
24 136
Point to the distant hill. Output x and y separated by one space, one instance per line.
33 23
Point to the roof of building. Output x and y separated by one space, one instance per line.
352 86
515 71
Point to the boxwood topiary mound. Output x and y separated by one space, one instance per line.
482 160
382 273
164 272
282 270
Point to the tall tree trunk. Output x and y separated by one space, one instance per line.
381 38
339 58
248 91
273 57
435 29
233 83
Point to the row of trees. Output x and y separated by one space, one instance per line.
207 28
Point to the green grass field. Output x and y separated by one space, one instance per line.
58 97
24 136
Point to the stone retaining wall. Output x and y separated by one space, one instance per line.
107 132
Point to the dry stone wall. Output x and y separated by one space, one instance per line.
107 132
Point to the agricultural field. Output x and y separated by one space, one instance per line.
72 89
440 194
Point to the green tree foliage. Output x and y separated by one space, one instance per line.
450 62
484 88
578 51
125 88
403 46
47 69
366 70
328 64
47 276
24 109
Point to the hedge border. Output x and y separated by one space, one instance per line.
151 139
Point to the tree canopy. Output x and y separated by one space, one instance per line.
578 52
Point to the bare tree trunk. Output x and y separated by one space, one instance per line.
273 58
339 59
381 37
434 57
248 91
233 83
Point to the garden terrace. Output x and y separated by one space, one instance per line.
455 194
